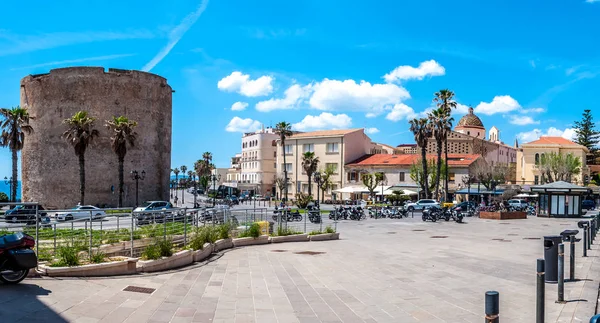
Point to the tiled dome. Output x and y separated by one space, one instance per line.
470 120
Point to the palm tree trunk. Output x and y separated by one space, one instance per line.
82 179
446 170
439 170
309 185
121 161
425 175
285 174
13 183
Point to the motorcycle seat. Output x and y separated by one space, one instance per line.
10 241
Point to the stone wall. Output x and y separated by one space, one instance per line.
50 170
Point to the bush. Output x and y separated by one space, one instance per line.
203 235
286 231
329 229
224 231
160 248
67 256
3 197
315 232
254 230
302 200
97 257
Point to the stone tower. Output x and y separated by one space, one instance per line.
50 170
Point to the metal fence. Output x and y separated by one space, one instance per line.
125 232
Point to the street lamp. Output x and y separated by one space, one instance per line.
195 189
137 177
317 177
214 179
10 181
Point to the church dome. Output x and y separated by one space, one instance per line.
470 120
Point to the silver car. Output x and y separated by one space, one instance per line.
421 204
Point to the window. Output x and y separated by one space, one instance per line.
537 159
275 165
287 167
304 188
401 177
451 177
308 148
352 176
287 149
333 166
275 154
536 180
332 148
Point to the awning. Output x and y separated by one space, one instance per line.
525 195
480 191
352 189
390 191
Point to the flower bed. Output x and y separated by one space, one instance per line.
113 268
503 215
179 259
249 241
325 236
290 238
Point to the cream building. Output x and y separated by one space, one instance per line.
531 153
334 148
254 171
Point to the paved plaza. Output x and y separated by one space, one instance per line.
380 271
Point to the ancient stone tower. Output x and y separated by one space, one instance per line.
50 171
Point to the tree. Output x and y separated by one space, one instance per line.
122 134
80 134
176 171
371 181
417 174
445 100
302 200
586 133
310 164
326 181
3 197
398 197
422 131
280 183
489 176
437 121
183 170
284 130
559 167
14 128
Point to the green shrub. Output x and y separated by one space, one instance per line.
152 252
44 255
201 237
224 230
254 230
329 229
97 257
67 256
160 248
166 247
286 231
315 232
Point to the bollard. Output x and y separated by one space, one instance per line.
584 242
561 274
540 292
572 260
492 307
589 231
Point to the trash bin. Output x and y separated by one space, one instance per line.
551 257
264 227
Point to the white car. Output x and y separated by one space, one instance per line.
80 212
421 204
517 203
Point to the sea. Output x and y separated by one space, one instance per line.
4 187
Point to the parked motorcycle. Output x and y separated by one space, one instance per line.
314 216
16 257
429 214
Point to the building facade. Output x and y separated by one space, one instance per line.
257 163
530 155
407 148
334 148
234 172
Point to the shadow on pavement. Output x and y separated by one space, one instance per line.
21 303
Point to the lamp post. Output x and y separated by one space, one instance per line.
195 189
137 177
215 178
317 177
10 182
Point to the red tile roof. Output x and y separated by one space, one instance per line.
323 133
544 140
455 160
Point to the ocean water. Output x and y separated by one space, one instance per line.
6 188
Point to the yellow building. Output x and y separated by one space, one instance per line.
530 155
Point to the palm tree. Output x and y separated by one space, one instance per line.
183 170
436 120
422 131
123 134
284 130
310 164
80 134
176 171
445 99
14 127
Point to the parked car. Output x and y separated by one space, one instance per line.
147 212
233 199
26 214
80 212
588 205
421 204
466 205
520 204
259 197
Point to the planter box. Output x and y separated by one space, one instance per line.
177 260
200 255
138 243
290 238
223 244
503 215
325 236
240 242
113 268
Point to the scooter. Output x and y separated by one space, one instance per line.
16 257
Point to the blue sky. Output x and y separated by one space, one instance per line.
528 67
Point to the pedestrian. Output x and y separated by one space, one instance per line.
176 200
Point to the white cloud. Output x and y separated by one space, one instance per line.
522 120
292 97
592 1
532 63
325 120
525 137
461 109
238 124
500 104
405 72
351 96
241 83
371 131
401 111
533 110
239 106
176 34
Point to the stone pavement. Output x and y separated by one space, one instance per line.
380 271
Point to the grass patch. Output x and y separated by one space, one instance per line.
314 232
68 256
286 232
